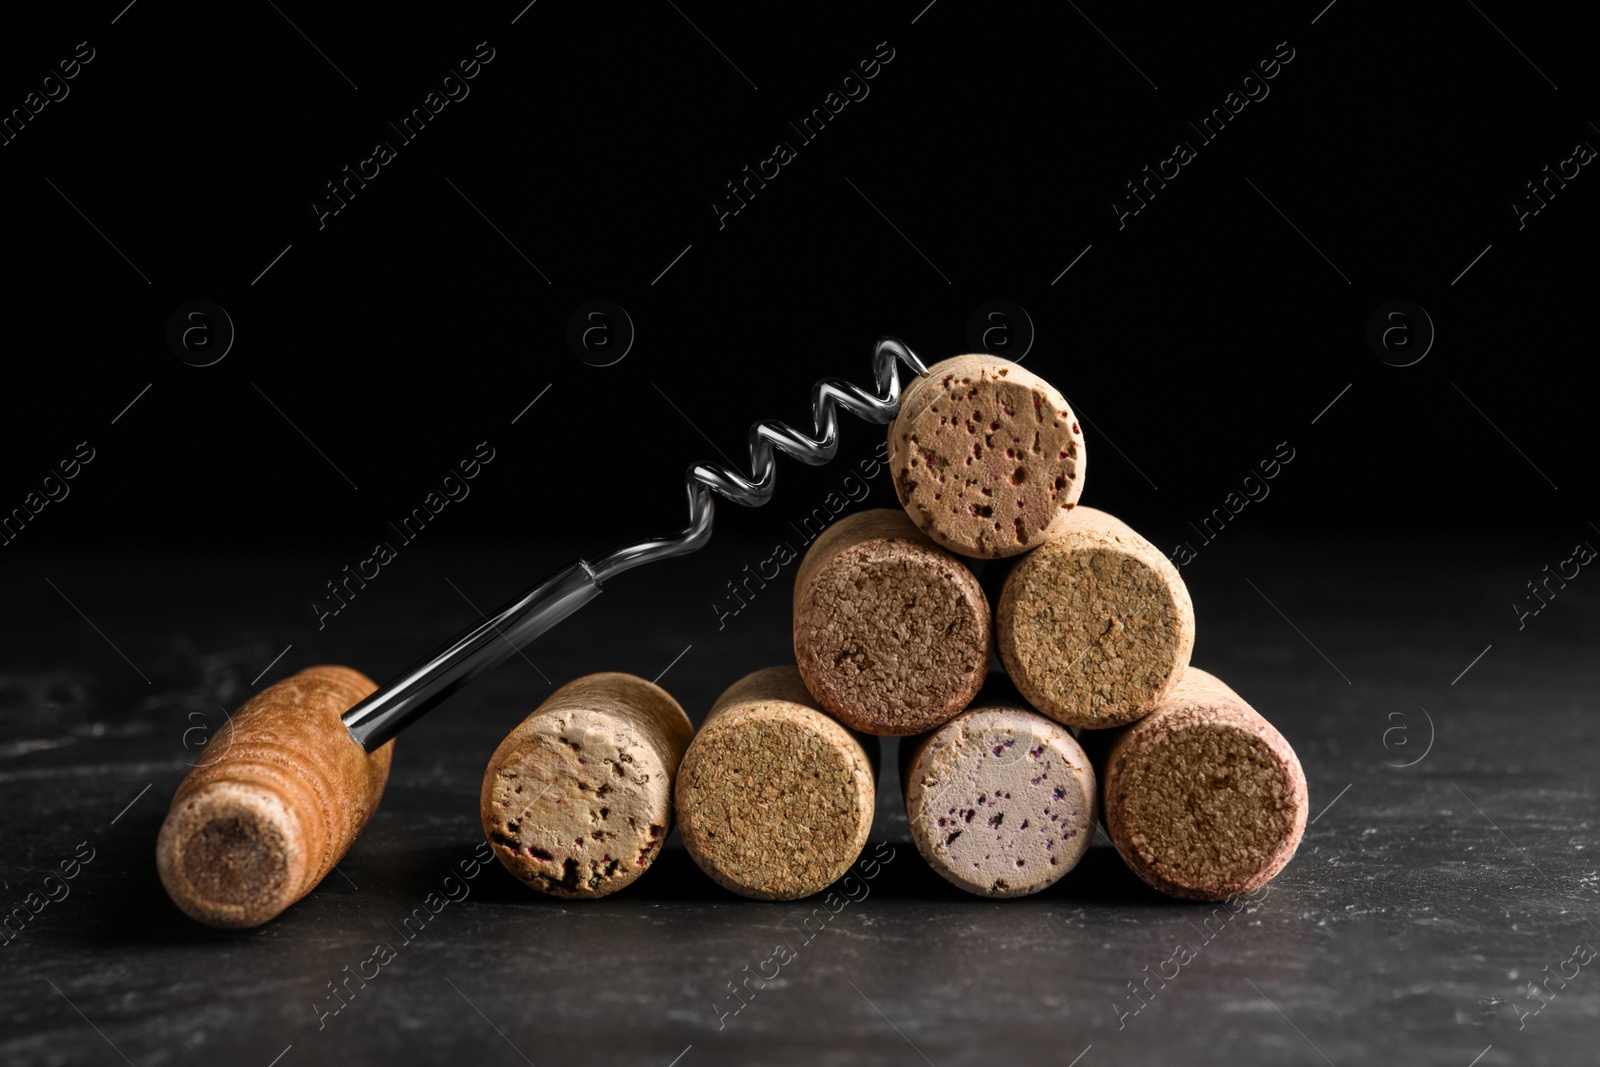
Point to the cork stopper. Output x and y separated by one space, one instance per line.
987 457
1001 800
775 798
1203 798
577 800
891 632
255 828
1095 626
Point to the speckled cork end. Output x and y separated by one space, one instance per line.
775 798
1095 626
577 800
987 458
1203 798
255 828
891 632
1001 801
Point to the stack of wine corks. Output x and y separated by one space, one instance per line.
1201 796
894 636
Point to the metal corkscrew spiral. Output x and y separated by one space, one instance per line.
827 397
402 700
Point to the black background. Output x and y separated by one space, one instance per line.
406 330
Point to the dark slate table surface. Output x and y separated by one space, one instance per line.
1451 860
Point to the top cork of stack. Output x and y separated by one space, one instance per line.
987 457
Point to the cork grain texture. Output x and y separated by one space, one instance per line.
1001 801
255 828
1203 798
577 800
892 633
1095 626
987 457
775 798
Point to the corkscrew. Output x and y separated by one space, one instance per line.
258 827
406 698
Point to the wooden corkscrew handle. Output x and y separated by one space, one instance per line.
254 827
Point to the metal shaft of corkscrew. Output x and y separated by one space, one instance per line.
471 653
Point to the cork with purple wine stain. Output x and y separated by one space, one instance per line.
1001 800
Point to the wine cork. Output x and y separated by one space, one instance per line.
775 798
1001 800
255 829
987 457
1203 798
577 800
1095 626
891 632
